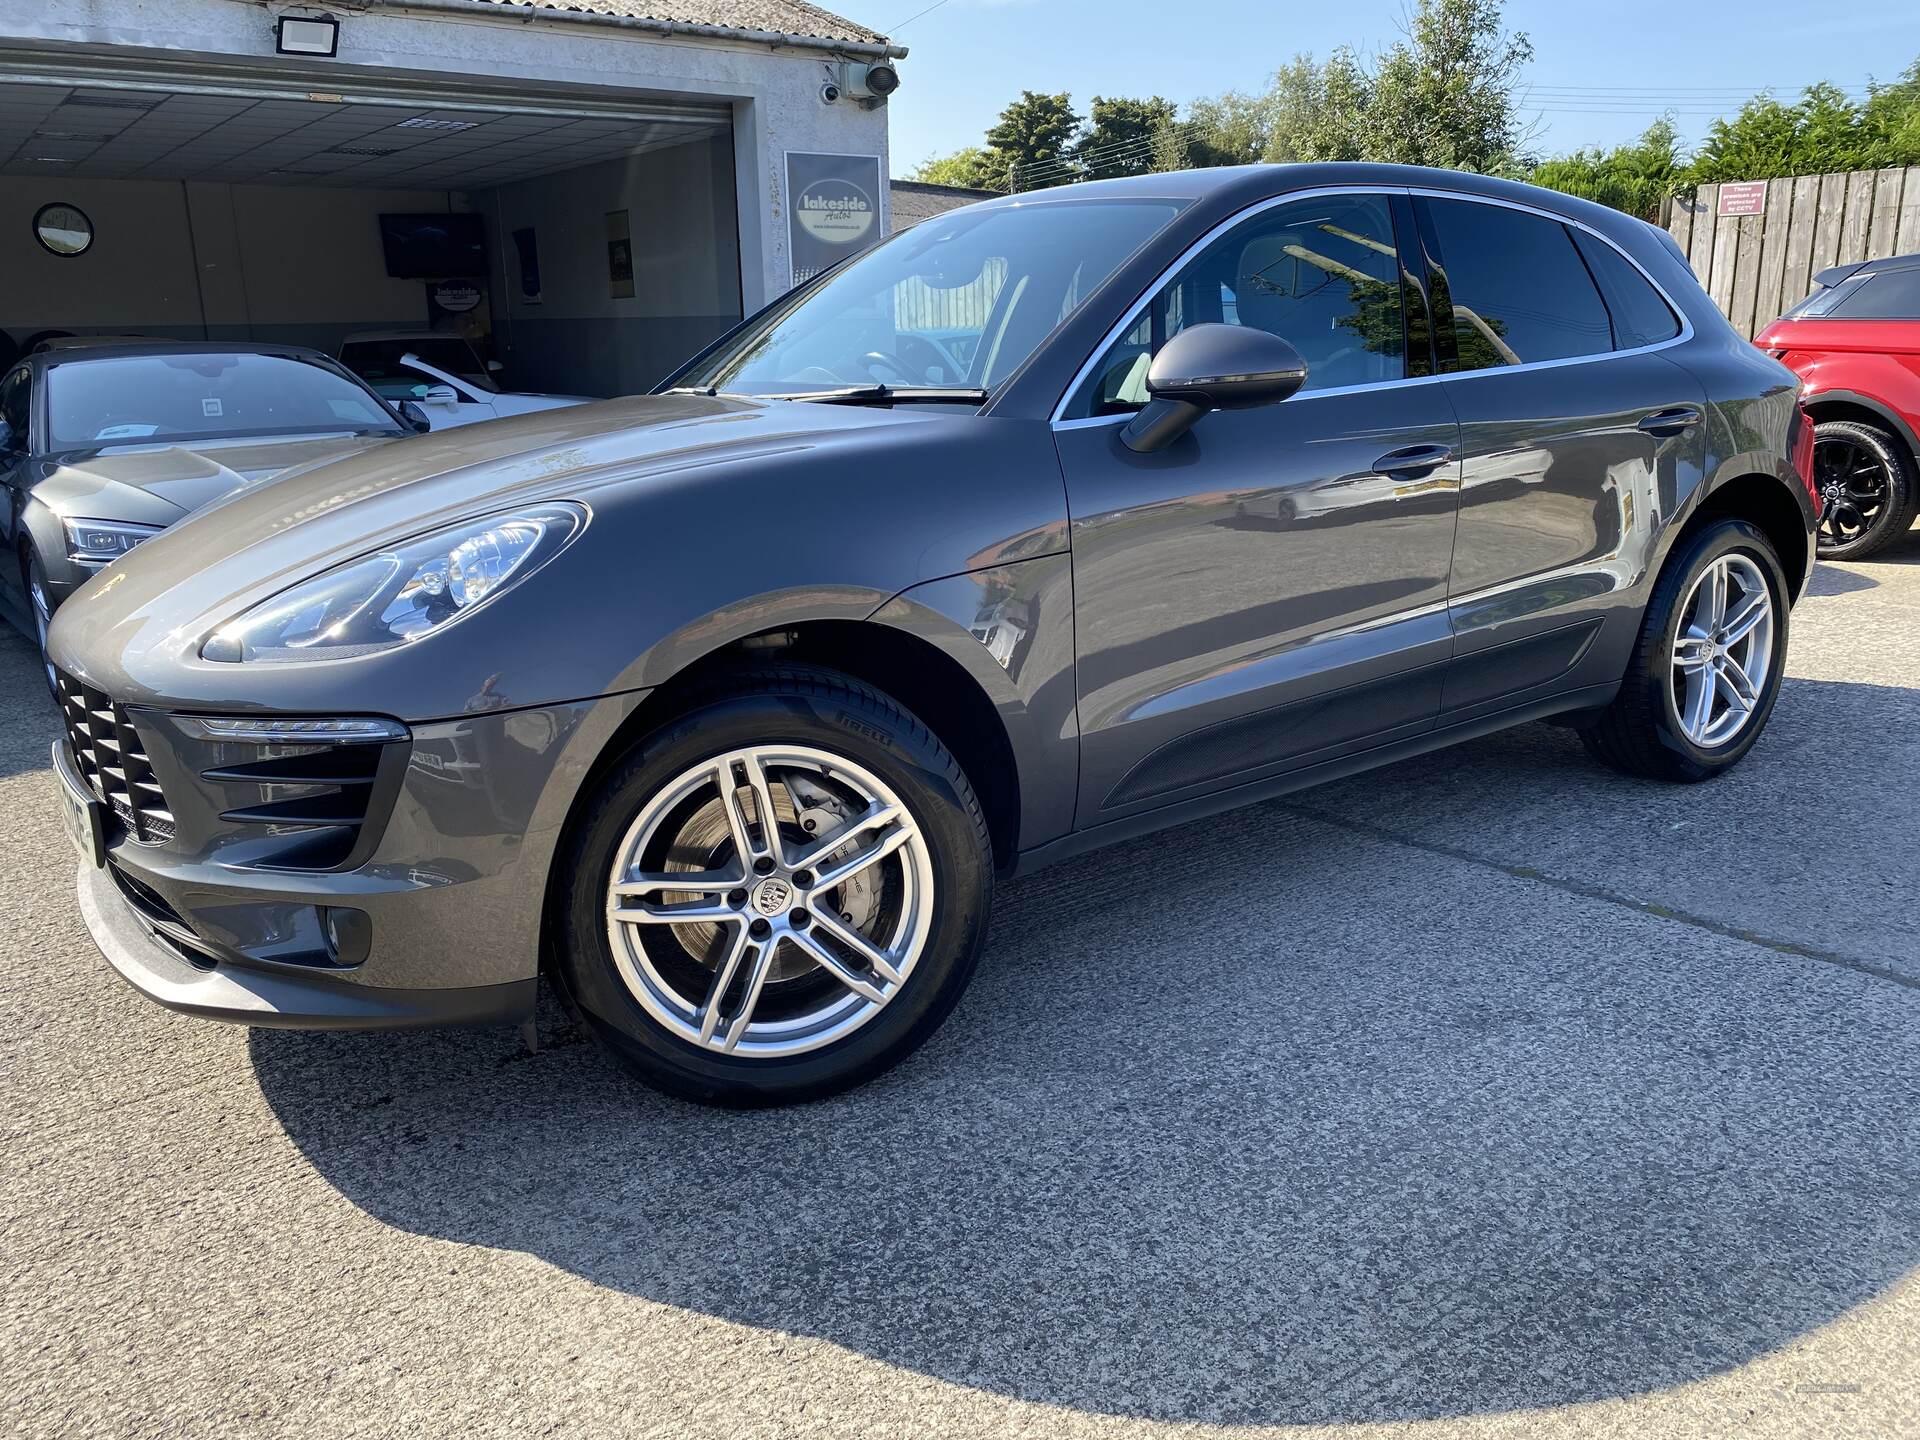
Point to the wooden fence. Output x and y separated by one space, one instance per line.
1755 266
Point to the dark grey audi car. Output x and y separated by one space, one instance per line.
1048 523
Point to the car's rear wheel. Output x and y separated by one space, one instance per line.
1867 490
1707 667
778 894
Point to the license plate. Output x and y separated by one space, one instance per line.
86 824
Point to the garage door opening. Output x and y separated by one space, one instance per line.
583 247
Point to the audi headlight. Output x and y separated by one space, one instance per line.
396 595
97 542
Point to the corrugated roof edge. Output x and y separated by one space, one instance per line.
876 47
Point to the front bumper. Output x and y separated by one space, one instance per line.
275 996
433 918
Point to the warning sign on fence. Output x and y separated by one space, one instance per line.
1744 197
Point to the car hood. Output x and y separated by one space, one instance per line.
158 484
134 626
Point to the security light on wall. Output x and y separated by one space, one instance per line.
295 36
868 84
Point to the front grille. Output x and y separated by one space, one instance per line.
113 762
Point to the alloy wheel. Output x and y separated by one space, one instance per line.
1723 653
1854 486
769 901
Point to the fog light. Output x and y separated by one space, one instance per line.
349 935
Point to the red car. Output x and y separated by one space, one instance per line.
1855 344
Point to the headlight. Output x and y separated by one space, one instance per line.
382 601
96 542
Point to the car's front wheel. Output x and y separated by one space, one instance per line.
1707 667
778 894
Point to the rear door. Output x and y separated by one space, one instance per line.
1577 437
1269 591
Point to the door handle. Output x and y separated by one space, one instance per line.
1670 421
1412 461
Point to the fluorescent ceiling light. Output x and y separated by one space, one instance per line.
423 122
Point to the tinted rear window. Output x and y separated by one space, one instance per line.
1640 316
1824 298
1520 291
1884 295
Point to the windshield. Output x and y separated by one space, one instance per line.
138 399
378 362
958 301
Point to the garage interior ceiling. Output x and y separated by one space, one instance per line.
129 134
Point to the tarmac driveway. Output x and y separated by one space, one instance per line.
1487 1094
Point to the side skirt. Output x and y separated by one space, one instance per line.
1591 697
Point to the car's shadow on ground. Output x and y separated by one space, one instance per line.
1266 1120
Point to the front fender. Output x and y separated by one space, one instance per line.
1010 627
40 526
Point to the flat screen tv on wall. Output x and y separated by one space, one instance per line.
434 247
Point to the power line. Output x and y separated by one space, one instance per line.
896 29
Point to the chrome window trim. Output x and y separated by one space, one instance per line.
1126 321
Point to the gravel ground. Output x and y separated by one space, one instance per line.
1488 1094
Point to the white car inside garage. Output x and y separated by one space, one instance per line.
442 373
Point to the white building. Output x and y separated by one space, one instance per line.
221 175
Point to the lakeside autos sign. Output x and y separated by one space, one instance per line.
833 209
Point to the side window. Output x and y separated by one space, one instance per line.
1886 295
15 393
1520 291
1640 316
1322 273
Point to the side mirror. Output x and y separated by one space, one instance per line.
494 367
445 396
1212 367
414 416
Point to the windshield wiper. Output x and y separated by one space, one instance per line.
891 395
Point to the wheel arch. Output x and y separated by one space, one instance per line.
971 715
964 708
1823 405
1765 500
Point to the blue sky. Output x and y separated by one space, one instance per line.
1600 73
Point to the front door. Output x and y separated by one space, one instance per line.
1269 592
1577 438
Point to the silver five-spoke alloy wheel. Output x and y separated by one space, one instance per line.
1723 653
769 901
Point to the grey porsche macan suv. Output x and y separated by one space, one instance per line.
1055 520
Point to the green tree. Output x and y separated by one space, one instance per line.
1028 144
1230 129
1119 139
968 167
1635 178
1444 95
1824 130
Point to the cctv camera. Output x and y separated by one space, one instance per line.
829 93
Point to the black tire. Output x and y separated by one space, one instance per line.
1867 512
1640 733
825 710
